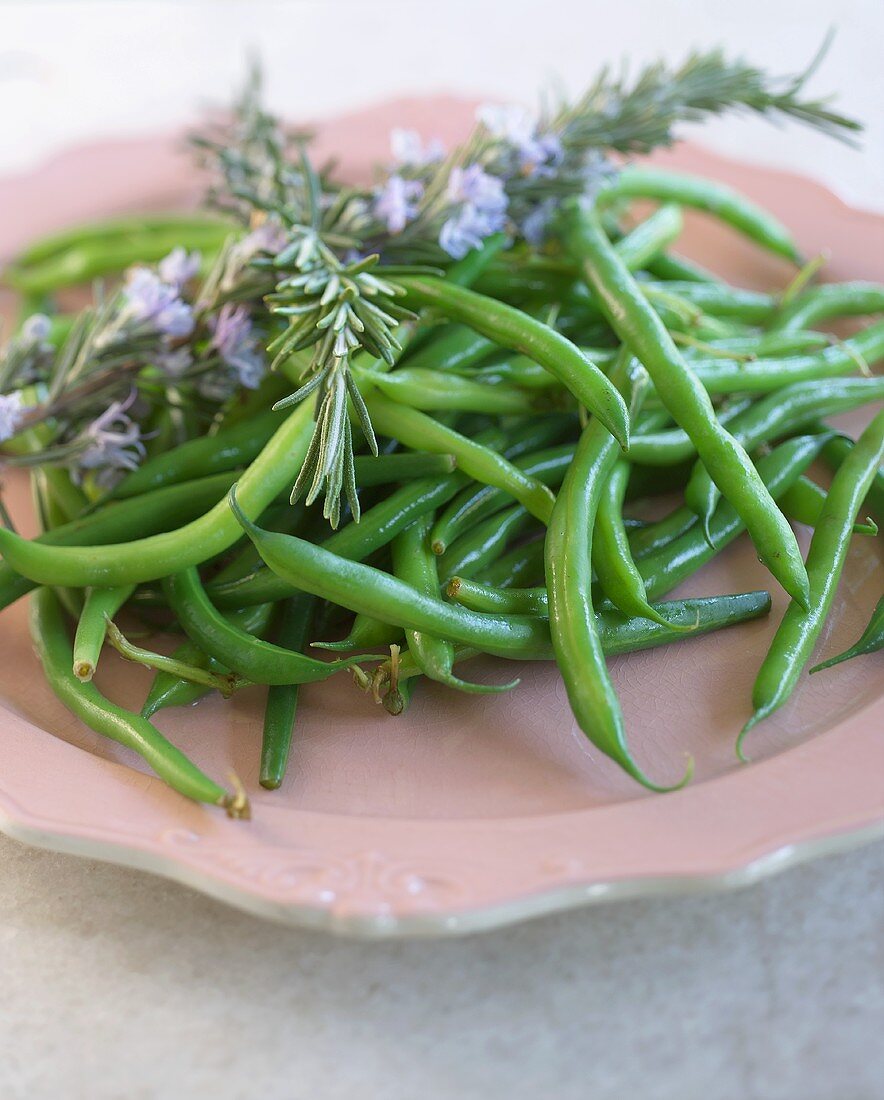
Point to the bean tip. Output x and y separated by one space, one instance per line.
236 802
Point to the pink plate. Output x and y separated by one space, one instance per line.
468 812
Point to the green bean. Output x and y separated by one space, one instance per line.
416 429
803 503
620 635
522 565
478 502
102 716
80 264
612 560
769 344
431 390
872 641
149 558
455 349
513 329
377 528
140 516
172 691
483 544
689 405
258 661
784 410
702 194
800 627
677 269
572 618
763 375
822 303
495 600
212 454
362 588
123 228
365 633
720 300
649 238
835 452
101 604
670 564
282 699
415 564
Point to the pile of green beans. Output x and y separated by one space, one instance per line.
538 405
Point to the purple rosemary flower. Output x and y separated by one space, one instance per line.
179 267
408 149
234 341
396 202
113 442
150 302
174 363
535 224
11 413
538 154
35 330
480 202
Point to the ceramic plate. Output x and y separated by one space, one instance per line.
467 812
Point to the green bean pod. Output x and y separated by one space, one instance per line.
258 661
788 409
100 605
518 331
687 402
104 717
804 502
415 564
829 300
282 699
612 560
160 555
484 543
416 429
800 627
713 198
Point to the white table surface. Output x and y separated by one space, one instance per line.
115 985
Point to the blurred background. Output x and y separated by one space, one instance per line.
79 70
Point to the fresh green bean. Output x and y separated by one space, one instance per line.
804 502
432 391
788 409
687 402
154 512
415 564
101 605
800 627
230 449
518 331
416 429
572 620
161 555
763 375
85 701
835 452
612 559
483 543
720 300
713 198
822 303
258 661
282 699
